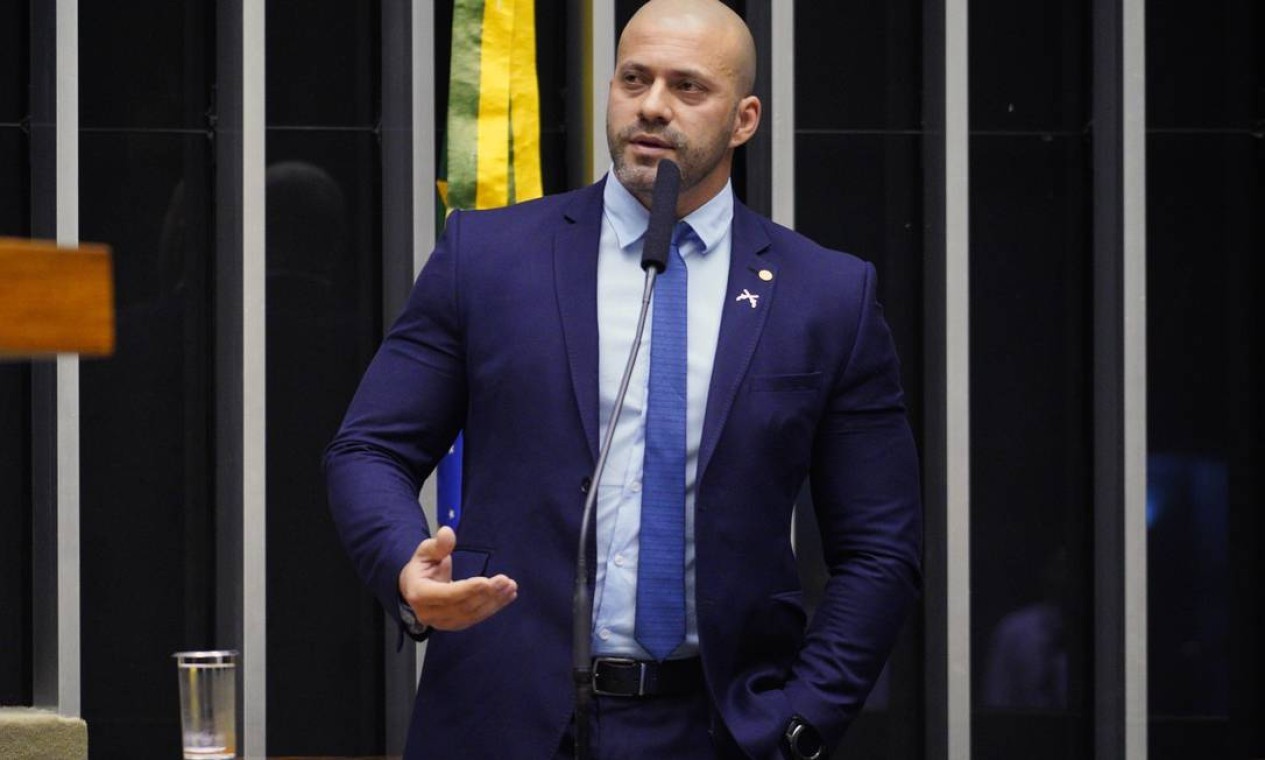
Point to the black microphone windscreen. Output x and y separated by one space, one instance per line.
667 186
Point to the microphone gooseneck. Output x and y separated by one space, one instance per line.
654 259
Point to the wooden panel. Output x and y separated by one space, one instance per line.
55 300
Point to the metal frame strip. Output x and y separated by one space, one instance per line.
55 574
425 207
782 122
957 397
254 385
1120 713
1135 391
69 675
947 354
241 445
602 33
424 129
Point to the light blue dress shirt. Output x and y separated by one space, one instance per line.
620 282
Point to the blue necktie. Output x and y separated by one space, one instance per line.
660 620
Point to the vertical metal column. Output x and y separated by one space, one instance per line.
397 68
603 68
424 129
425 209
255 389
408 224
241 582
1119 77
947 347
781 125
590 64
55 386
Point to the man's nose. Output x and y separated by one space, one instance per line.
656 105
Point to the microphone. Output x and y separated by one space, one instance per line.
667 186
654 259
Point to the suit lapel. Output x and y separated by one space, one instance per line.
575 281
748 300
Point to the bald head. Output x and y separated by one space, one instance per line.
723 28
681 91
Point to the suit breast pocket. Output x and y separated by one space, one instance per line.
803 381
782 410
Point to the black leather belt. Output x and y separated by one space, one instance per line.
623 677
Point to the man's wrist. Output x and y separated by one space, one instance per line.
414 627
801 741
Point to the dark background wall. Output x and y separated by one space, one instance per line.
324 304
859 186
15 408
1031 417
1206 357
146 182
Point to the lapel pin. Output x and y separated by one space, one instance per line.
766 275
747 295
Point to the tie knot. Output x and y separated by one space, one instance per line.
681 233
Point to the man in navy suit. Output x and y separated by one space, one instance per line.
517 332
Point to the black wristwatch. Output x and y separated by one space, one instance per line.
801 740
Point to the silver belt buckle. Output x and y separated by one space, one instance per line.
622 663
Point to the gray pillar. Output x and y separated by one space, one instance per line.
55 383
241 582
947 350
1119 78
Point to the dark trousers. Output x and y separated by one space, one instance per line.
655 728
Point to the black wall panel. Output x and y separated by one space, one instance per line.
15 535
1031 317
14 62
859 188
144 64
858 66
1029 66
147 498
15 440
551 71
324 303
15 391
145 188
1031 424
324 224
1206 358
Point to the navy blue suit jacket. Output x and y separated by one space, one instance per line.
500 338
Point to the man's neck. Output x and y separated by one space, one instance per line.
688 201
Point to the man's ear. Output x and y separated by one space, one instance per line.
746 120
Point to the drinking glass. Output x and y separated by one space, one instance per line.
208 704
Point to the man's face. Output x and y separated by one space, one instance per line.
674 96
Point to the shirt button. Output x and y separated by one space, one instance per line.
604 634
635 487
619 560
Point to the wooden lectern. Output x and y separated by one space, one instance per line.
55 300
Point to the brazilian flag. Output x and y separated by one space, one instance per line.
492 152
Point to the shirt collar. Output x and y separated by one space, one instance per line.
629 218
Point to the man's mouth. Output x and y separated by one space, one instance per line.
652 142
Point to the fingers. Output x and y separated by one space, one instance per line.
438 546
426 585
460 604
